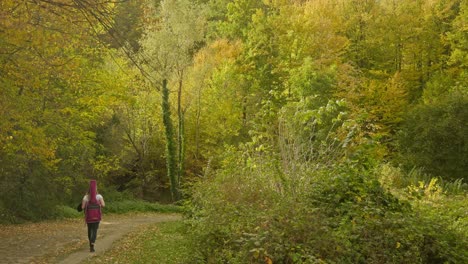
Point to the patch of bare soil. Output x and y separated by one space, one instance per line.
66 241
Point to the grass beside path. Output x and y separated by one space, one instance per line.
164 243
119 207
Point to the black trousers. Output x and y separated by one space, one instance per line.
92 232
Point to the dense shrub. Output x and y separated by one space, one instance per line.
65 212
126 206
344 216
434 138
21 199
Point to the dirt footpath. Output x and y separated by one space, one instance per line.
66 241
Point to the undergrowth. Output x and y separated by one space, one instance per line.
117 207
318 193
337 216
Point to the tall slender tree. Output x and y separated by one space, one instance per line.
168 47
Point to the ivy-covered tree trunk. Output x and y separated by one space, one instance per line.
180 136
170 146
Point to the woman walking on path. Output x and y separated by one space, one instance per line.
91 204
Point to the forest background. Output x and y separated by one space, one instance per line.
291 130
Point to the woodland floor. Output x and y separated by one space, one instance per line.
65 241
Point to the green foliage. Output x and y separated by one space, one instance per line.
342 216
21 198
170 144
370 224
5 216
399 179
168 46
58 85
126 206
123 206
62 212
308 196
308 80
434 137
438 204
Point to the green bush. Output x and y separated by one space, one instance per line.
380 228
120 207
415 180
434 138
26 192
343 216
5 216
62 211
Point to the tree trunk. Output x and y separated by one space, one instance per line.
197 127
170 146
180 135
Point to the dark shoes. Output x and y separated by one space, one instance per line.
91 247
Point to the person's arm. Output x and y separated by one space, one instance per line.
103 204
83 203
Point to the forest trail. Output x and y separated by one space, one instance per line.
65 241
